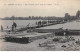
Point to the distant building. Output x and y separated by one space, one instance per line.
78 14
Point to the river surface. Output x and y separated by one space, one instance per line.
24 23
20 23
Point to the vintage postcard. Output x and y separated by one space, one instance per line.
39 25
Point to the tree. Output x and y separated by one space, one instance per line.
67 16
13 17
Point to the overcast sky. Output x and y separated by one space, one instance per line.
52 7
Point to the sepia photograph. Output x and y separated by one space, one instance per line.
39 25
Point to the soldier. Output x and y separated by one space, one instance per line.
12 28
1 28
15 25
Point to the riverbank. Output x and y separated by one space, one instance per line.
34 46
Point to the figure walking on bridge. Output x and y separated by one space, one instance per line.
14 26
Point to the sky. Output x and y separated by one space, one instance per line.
25 8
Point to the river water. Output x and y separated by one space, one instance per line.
24 23
20 23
